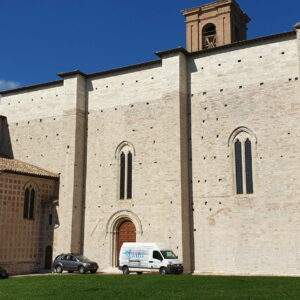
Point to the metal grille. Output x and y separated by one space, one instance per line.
210 41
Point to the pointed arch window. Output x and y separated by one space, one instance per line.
243 162
29 203
125 171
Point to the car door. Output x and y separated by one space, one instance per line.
157 260
73 264
66 262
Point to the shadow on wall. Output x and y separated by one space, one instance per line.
5 142
49 221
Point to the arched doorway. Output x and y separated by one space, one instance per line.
126 232
48 257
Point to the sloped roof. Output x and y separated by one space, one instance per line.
20 167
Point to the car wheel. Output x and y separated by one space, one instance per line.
93 271
81 270
125 270
58 269
139 273
162 271
70 271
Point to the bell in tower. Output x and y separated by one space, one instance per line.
215 24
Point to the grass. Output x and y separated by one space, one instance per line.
148 287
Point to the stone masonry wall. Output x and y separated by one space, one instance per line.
255 87
23 241
141 107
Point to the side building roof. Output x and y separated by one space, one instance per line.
19 167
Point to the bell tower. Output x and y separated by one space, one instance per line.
215 24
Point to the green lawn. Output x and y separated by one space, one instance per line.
148 287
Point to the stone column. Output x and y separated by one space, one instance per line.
72 183
174 66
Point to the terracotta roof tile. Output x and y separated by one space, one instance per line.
19 167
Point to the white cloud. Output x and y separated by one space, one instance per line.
8 85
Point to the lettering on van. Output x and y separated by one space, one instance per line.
135 254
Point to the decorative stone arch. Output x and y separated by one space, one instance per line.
121 146
240 130
33 184
111 230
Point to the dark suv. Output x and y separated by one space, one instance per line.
74 262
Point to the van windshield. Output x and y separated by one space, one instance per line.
168 254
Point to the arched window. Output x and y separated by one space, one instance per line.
125 153
29 203
243 141
209 36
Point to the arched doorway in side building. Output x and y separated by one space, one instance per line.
126 232
48 257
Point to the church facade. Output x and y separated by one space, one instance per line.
198 149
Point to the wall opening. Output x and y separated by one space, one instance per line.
209 35
125 232
48 257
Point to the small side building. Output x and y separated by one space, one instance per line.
28 199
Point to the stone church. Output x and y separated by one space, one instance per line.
198 149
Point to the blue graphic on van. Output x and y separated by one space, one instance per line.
135 254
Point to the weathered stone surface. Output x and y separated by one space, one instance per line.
178 115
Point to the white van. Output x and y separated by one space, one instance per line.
148 257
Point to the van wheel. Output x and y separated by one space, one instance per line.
162 271
139 273
125 270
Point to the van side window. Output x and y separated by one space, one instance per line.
157 255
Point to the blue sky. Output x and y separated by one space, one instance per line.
42 38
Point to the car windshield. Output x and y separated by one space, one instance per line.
82 258
168 254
